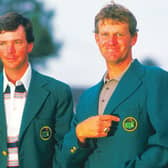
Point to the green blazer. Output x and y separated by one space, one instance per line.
140 140
46 117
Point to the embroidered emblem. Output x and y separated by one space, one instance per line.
45 133
130 124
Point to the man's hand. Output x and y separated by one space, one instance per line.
95 127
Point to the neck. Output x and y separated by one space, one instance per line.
115 70
15 75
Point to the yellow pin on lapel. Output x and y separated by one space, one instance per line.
130 124
45 133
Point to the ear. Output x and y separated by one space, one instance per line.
30 47
96 37
134 39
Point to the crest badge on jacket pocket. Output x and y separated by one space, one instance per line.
130 124
45 133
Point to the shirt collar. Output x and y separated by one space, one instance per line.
25 79
105 79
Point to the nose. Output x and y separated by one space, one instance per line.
11 48
113 39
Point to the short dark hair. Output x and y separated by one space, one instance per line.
11 21
119 13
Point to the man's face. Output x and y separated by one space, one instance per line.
14 49
114 40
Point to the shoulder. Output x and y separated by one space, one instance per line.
151 71
155 78
50 82
155 72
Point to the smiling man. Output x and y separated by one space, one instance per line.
35 110
121 122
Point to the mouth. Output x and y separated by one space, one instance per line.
10 59
113 50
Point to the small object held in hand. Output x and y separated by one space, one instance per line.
106 130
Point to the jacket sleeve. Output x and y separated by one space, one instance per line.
63 117
74 153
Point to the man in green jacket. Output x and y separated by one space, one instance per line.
35 110
121 122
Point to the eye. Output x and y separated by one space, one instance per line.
104 34
18 42
2 43
119 34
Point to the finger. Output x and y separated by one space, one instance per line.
108 124
101 133
109 118
106 130
104 124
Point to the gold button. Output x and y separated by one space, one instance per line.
73 149
4 153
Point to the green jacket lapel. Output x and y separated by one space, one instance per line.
34 101
94 98
131 80
88 102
